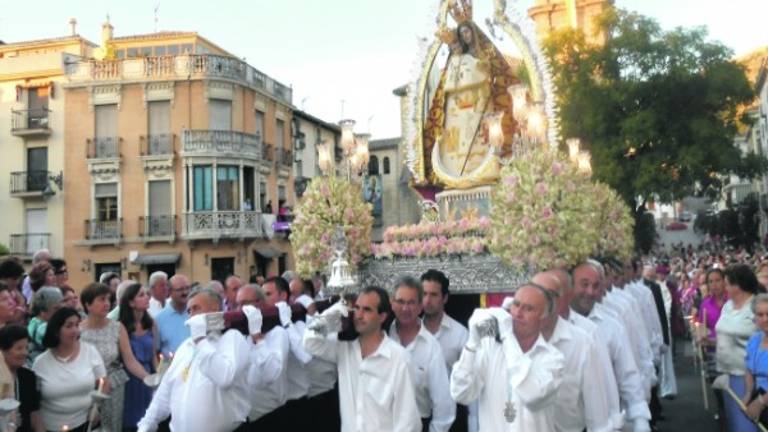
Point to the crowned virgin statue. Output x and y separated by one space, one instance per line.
472 85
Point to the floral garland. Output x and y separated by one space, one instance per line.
615 222
329 202
428 240
540 220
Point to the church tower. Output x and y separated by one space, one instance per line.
551 15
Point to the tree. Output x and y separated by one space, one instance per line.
657 109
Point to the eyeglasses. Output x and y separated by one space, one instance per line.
409 303
62 271
180 289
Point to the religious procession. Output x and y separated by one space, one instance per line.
570 233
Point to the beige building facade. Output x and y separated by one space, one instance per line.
32 133
551 15
308 132
177 154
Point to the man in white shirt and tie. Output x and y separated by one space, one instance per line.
205 389
586 397
375 388
516 374
430 376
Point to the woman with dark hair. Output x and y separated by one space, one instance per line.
41 275
12 273
142 334
734 328
67 372
13 343
111 340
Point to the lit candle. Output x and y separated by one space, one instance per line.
495 132
65 428
585 163
102 384
161 364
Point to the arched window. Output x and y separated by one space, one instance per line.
386 165
373 166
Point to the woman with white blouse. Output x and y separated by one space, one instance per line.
67 372
734 328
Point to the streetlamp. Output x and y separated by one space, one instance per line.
354 150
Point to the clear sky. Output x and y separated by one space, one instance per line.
357 51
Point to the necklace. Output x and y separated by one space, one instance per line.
66 359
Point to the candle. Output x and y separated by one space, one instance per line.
65 428
102 384
161 364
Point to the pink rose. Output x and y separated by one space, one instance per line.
557 168
535 240
526 222
541 188
511 180
324 191
510 197
546 212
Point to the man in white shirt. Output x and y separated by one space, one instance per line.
158 289
205 389
231 285
587 293
430 376
451 335
375 388
585 398
516 375
268 387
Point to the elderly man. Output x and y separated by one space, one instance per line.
268 387
231 285
587 293
430 376
205 388
588 394
375 386
516 376
170 321
39 256
158 290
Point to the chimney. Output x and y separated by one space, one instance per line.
73 26
106 32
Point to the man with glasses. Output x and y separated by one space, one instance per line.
170 321
426 361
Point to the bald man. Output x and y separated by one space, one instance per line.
516 376
588 397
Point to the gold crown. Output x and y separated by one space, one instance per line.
447 35
461 10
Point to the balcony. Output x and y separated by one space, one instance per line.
157 228
215 225
103 231
103 148
25 245
157 145
32 123
179 67
285 157
218 143
29 183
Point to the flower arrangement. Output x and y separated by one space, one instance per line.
540 218
433 239
329 202
615 222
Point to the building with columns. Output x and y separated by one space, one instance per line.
177 153
32 125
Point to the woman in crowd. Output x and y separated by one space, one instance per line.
111 340
70 298
762 274
688 293
60 270
142 334
7 382
112 280
45 303
67 372
13 344
734 328
12 273
41 275
756 376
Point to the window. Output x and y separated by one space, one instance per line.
263 195
160 50
132 52
279 134
386 165
173 49
146 51
106 201
159 139
120 54
159 221
248 192
37 168
373 166
203 187
299 168
227 187
219 114
37 102
186 48
260 124
281 193
106 131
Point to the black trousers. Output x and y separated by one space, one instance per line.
268 422
323 410
425 421
461 423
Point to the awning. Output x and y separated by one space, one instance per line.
268 252
150 259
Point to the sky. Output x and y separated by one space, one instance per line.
343 58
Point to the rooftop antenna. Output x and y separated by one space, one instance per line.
157 16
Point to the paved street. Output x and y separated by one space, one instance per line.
686 411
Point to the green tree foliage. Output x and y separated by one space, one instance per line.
657 109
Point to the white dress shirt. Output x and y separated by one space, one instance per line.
582 402
645 335
499 373
266 396
452 337
375 393
155 307
205 389
628 378
430 378
321 372
298 374
643 294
